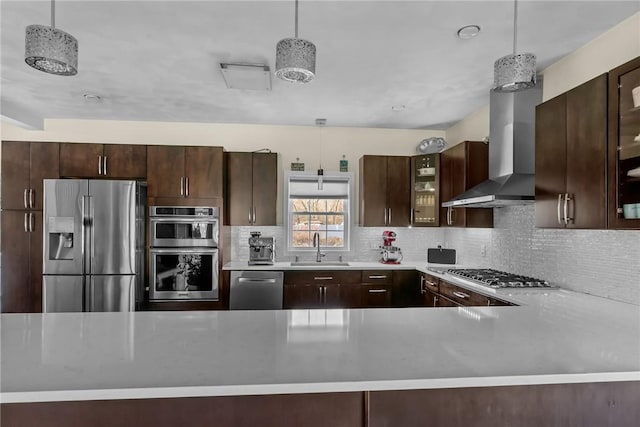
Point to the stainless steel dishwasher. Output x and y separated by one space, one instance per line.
256 290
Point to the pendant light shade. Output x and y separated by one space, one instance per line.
295 58
514 72
51 50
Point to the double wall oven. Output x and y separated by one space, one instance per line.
183 253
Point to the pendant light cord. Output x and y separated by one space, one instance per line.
515 25
296 19
53 13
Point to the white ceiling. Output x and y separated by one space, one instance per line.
159 60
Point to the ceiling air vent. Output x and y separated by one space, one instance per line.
246 76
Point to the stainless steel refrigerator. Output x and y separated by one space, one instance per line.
94 238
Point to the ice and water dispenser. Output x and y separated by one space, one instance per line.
61 238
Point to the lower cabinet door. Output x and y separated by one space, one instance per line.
303 296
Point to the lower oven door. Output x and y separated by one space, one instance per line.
183 274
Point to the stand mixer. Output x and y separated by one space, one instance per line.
390 254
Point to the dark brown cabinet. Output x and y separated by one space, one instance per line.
184 172
21 261
425 190
251 188
385 192
440 293
624 147
571 143
24 166
321 289
376 289
461 167
103 161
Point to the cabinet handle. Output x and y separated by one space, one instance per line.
99 165
422 290
385 216
559 213
254 215
382 276
449 211
435 301
323 278
32 225
26 226
186 186
389 216
104 167
461 295
377 291
324 294
24 198
412 217
320 293
182 185
567 219
31 197
250 217
430 283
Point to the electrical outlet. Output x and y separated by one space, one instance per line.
483 250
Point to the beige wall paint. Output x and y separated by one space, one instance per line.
311 144
612 48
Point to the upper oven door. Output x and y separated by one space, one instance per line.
183 232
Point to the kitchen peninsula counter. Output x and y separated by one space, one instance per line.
555 337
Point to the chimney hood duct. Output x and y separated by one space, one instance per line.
511 153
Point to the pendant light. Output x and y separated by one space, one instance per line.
295 58
51 50
514 72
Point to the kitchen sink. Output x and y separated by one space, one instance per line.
319 264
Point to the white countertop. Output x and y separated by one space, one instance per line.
555 337
325 265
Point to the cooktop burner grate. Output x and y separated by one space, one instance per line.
498 279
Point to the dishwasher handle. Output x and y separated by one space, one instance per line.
250 280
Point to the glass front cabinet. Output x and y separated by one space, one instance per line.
425 190
624 146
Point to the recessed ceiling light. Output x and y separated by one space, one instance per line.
398 107
92 98
468 32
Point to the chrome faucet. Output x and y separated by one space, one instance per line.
316 244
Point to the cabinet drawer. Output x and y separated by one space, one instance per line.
462 295
377 276
322 277
376 295
430 282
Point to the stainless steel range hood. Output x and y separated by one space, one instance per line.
511 153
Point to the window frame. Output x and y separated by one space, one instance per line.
348 212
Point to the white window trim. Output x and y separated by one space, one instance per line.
349 213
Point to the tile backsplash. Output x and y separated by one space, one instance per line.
605 263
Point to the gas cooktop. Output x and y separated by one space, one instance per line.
498 279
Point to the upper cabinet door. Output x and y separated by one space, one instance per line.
165 171
373 191
24 166
15 175
125 161
44 165
586 154
398 191
239 189
203 171
551 162
265 188
81 160
624 146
